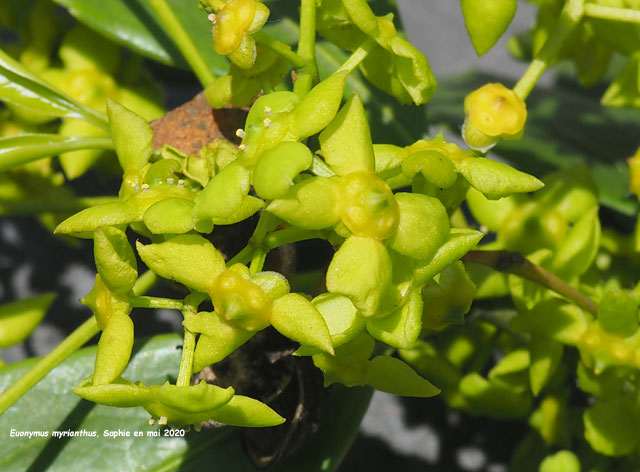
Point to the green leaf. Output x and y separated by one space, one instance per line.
310 204
392 375
515 361
154 362
218 338
132 136
461 241
19 150
402 327
493 400
189 259
171 215
423 226
115 259
21 87
295 317
561 461
496 179
346 143
361 270
554 318
278 166
341 317
624 91
224 194
611 426
618 312
546 355
565 128
20 318
579 248
83 224
134 24
114 349
487 20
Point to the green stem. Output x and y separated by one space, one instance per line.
307 76
144 283
278 47
626 15
72 343
257 261
266 223
190 308
243 256
180 37
515 263
156 302
570 17
358 55
290 235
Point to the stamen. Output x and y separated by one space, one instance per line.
240 133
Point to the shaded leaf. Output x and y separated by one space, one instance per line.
21 87
134 24
154 362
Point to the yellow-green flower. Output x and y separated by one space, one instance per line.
492 112
234 24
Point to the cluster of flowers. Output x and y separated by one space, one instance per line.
386 209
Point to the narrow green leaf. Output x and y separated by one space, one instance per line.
21 87
134 24
19 150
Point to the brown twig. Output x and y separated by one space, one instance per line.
515 263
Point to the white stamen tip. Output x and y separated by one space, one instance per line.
212 18
267 110
267 122
152 422
180 182
145 187
170 181
242 147
163 420
240 133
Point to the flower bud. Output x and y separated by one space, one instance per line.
491 112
